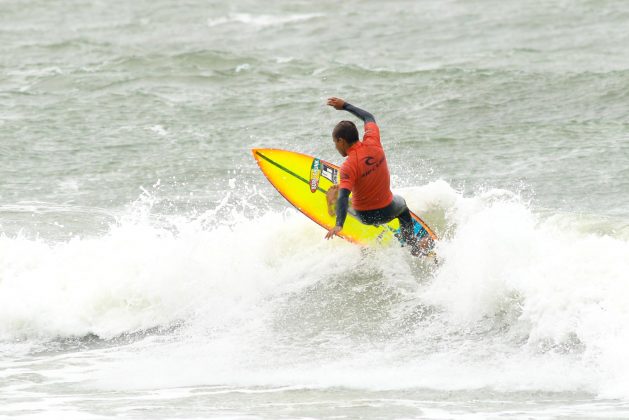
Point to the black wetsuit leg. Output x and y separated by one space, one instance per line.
407 228
397 209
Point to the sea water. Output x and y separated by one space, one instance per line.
149 270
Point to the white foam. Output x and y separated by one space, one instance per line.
158 129
565 290
520 302
140 276
261 20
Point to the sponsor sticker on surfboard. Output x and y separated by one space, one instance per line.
330 173
315 174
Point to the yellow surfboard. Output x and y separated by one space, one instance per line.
303 180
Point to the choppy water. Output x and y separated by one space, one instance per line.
148 270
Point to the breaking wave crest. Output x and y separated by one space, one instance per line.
529 301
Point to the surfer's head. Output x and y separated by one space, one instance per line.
344 135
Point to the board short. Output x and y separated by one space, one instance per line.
383 215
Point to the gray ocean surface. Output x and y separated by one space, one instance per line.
149 270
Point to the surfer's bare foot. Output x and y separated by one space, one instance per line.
423 247
426 243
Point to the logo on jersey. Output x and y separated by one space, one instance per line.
369 160
374 165
315 174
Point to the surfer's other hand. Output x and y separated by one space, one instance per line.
334 231
337 103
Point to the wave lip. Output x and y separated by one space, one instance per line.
516 292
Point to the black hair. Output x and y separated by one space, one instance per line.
346 130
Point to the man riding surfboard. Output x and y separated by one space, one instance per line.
365 175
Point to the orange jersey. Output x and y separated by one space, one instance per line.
365 172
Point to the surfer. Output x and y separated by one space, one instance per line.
366 175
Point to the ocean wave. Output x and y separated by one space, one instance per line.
517 301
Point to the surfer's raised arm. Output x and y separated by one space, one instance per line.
340 104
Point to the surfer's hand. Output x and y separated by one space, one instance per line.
337 103
334 231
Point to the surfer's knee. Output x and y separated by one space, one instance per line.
332 195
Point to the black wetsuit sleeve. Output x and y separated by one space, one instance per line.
362 114
342 204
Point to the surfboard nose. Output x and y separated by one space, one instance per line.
258 153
